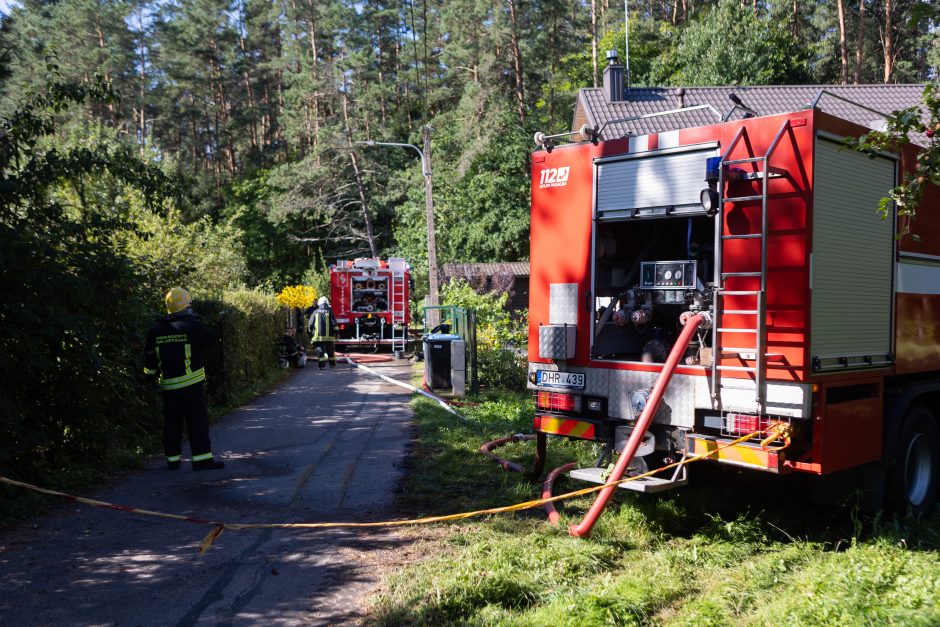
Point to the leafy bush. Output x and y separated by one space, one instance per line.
249 324
207 258
501 338
88 251
73 312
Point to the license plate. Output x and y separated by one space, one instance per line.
556 379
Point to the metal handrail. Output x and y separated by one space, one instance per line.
659 114
826 92
761 340
742 107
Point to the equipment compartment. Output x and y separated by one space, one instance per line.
647 272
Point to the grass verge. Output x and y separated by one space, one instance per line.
732 548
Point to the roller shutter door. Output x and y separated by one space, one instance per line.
853 258
651 185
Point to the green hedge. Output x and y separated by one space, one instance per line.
74 404
249 324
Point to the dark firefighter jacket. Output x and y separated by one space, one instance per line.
322 325
175 350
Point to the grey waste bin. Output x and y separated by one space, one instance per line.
437 360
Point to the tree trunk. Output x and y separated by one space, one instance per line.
358 176
796 19
517 60
223 106
843 49
429 209
142 112
246 80
860 44
315 74
594 42
888 42
381 68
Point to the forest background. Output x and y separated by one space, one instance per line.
212 143
255 105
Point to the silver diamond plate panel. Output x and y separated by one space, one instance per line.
556 342
563 303
679 402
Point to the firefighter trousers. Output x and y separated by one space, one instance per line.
186 404
326 350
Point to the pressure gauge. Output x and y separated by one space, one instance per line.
678 275
667 274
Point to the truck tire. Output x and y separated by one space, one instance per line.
914 472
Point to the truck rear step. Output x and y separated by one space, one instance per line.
649 485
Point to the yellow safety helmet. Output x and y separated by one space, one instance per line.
177 299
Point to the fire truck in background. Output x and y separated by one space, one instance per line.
371 301
814 313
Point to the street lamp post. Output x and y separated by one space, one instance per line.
428 204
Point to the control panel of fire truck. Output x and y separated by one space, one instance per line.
646 276
667 275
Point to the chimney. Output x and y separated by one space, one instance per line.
613 79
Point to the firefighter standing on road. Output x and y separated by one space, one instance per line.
322 325
174 353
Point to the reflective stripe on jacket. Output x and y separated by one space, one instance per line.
175 351
321 325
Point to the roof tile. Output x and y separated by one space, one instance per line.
766 100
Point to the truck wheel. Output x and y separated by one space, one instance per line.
915 472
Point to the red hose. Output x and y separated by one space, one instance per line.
487 449
636 437
553 515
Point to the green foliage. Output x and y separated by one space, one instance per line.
724 553
906 198
273 255
731 45
484 214
249 324
90 245
205 257
652 51
73 309
501 339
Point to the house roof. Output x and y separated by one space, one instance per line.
514 268
594 109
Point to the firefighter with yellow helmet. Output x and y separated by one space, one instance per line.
175 356
322 328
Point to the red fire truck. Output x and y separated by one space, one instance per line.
370 299
813 312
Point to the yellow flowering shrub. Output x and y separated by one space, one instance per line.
299 296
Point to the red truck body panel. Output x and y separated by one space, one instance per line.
845 410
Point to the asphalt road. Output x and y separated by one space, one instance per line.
323 446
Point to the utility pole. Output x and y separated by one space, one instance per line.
429 207
428 203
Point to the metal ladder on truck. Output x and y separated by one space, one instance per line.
398 305
758 310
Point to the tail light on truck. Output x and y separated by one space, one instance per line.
742 424
558 402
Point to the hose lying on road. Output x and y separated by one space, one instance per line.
220 526
408 386
487 449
